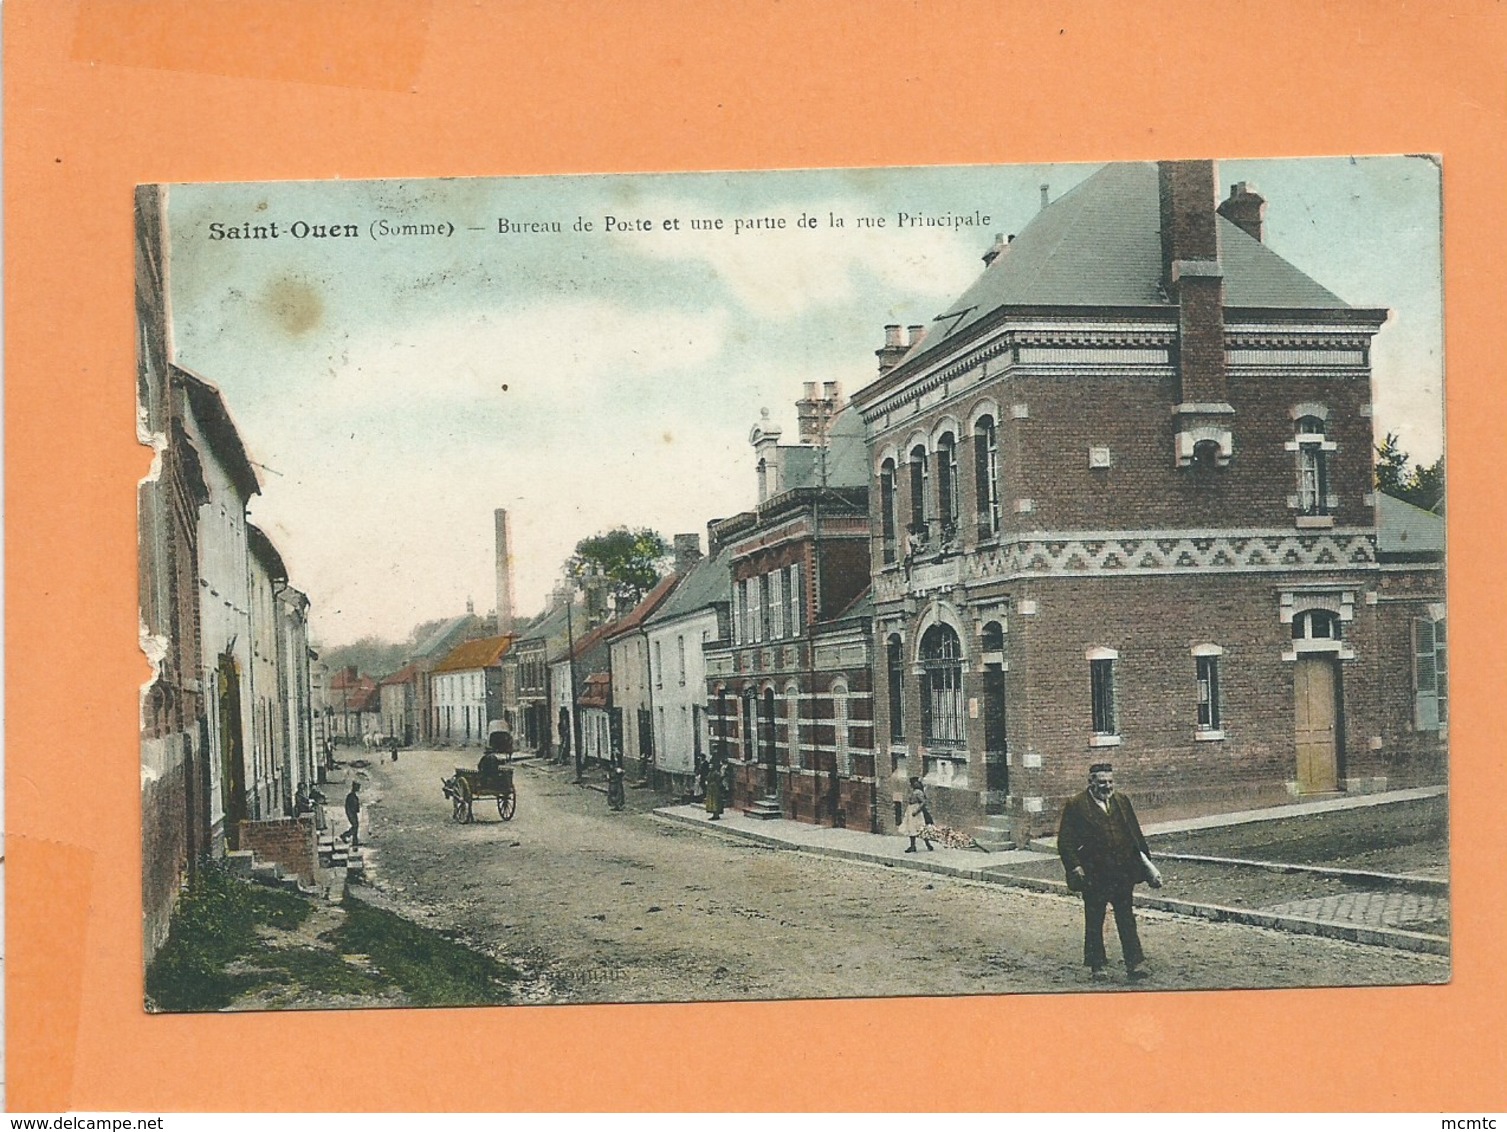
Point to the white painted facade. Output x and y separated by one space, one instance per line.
264 719
677 689
460 703
224 610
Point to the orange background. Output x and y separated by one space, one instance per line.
102 94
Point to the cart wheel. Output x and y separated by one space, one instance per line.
470 817
507 804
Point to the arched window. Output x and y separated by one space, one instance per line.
1313 466
920 475
994 637
986 476
1316 625
947 485
941 686
887 522
896 688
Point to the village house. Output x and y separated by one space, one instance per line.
526 671
224 600
355 705
433 648
271 792
467 690
633 697
398 694
665 723
295 674
1122 510
788 689
226 717
175 750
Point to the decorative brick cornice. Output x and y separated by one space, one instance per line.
1146 553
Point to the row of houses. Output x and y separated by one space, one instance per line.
230 720
1116 503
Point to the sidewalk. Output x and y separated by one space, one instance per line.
1359 920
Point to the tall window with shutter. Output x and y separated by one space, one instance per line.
887 509
947 485
896 688
919 478
1313 467
986 477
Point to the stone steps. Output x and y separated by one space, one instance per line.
993 833
764 808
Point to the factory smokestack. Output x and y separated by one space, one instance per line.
504 574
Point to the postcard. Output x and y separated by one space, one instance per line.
793 585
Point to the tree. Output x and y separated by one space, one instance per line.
631 561
1391 466
1420 486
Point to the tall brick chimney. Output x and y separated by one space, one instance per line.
814 411
892 351
1246 209
504 573
687 551
1194 279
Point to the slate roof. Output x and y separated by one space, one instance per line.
651 601
442 639
405 675
219 429
1099 244
485 653
847 456
860 606
1402 528
707 582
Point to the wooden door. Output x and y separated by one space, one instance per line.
1316 732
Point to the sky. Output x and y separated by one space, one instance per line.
393 390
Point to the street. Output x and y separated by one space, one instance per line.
596 906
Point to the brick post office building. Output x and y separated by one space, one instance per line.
1122 509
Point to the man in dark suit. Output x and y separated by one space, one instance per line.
1105 855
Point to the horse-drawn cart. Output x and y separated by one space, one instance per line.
469 785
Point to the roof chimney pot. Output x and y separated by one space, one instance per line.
994 251
1246 209
892 351
1046 194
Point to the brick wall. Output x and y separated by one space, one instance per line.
164 844
1045 455
289 842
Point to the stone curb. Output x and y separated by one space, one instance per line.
1406 881
1356 933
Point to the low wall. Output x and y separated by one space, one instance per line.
289 842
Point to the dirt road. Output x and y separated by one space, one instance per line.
604 907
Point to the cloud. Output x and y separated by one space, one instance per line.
782 273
